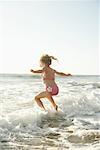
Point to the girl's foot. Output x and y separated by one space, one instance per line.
56 107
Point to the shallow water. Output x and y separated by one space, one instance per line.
23 126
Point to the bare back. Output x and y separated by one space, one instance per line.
49 76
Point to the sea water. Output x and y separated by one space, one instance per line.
24 126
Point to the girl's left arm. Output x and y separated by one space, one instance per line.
62 74
36 71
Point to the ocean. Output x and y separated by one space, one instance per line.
24 126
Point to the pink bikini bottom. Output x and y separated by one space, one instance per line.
53 90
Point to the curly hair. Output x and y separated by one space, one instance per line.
46 59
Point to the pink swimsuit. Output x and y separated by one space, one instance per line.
52 90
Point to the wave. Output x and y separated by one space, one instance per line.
18 76
24 126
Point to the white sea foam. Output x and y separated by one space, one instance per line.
24 125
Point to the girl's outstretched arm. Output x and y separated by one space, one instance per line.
36 71
62 74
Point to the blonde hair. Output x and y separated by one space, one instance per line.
46 59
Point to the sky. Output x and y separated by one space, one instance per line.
68 30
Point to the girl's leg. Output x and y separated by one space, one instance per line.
37 99
45 95
50 98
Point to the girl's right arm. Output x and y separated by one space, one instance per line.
36 71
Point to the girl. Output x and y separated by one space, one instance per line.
49 80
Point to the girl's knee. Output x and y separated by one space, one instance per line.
36 98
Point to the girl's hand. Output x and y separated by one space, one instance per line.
32 70
36 71
69 74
